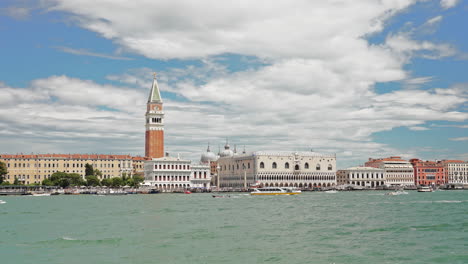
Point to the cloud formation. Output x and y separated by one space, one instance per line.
90 53
315 87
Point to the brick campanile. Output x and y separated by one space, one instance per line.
154 136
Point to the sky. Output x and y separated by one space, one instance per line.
361 79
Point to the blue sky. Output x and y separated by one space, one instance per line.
366 79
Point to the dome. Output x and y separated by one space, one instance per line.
208 156
226 152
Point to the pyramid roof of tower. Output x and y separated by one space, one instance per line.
155 95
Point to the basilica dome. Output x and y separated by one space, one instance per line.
208 156
226 152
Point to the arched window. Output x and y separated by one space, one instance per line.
262 165
306 166
286 165
330 167
274 165
317 167
296 167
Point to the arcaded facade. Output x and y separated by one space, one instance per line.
398 172
176 174
262 168
367 177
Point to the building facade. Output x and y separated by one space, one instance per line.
398 172
262 168
175 174
30 169
428 172
368 177
154 135
456 172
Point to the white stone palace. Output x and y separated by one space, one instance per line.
176 174
362 176
304 170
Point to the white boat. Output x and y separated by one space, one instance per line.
2 202
331 191
111 192
275 191
425 189
41 194
396 193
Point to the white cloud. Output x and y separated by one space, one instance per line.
279 29
459 139
90 53
418 128
434 20
446 4
19 13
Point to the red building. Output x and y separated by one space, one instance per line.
154 137
428 172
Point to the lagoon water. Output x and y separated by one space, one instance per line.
345 227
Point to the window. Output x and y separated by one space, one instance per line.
330 167
306 166
317 167
274 165
296 167
262 165
286 165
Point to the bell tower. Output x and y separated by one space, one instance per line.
154 138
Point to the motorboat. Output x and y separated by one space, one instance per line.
425 189
331 191
41 194
396 193
2 202
275 191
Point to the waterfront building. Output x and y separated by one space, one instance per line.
35 168
428 172
200 177
276 168
369 177
176 174
154 135
398 172
456 172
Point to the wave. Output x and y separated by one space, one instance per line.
68 241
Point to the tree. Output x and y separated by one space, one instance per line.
97 173
3 171
16 182
92 180
117 182
47 182
89 170
106 182
137 180
64 179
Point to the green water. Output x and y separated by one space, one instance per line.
346 227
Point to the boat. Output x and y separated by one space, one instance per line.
41 194
111 192
2 202
331 191
425 189
396 193
275 191
187 192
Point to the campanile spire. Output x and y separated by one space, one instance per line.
154 136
